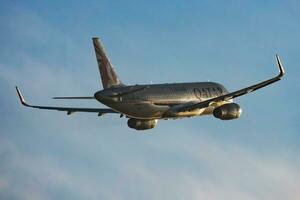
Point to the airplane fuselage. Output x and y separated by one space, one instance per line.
154 101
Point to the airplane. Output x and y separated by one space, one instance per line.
144 105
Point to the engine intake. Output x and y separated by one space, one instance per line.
228 111
141 124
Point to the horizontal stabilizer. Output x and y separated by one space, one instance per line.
73 98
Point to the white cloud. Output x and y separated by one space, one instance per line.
226 171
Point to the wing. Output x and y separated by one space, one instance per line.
69 110
203 104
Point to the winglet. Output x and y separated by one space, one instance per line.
22 100
281 69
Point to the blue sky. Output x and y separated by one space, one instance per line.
46 49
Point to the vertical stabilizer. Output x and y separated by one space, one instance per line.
108 75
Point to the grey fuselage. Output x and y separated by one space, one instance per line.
156 101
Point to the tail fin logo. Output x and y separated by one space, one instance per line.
108 75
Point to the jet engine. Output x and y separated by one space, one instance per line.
228 111
141 124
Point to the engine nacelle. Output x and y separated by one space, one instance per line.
141 124
228 111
